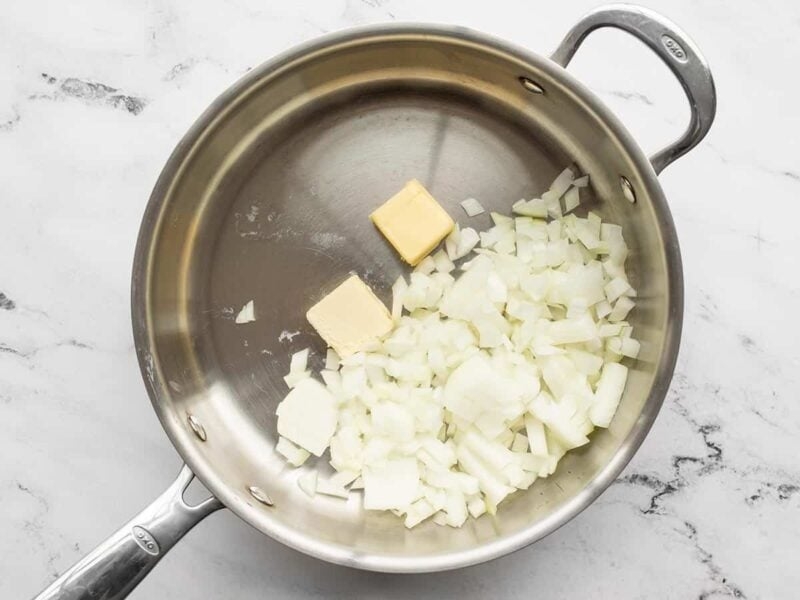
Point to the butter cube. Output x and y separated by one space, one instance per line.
413 222
350 317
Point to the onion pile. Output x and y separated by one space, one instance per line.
488 378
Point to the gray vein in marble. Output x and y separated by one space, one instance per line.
781 492
179 69
636 96
782 173
11 123
93 93
353 10
724 586
722 158
764 418
6 303
703 465
70 343
317 26
748 343
759 239
707 464
35 526
711 462
166 20
708 307
790 174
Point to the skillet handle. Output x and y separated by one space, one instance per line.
115 567
675 48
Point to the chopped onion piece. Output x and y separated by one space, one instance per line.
472 207
332 487
520 443
616 288
621 309
247 314
418 512
451 242
559 421
294 456
610 330
468 239
307 416
571 331
456 509
399 288
299 361
391 485
571 200
308 483
490 484
293 378
552 200
562 182
608 393
297 368
531 208
426 266
581 181
442 262
602 309
476 507
332 360
629 347
536 435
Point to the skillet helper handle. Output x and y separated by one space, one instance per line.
675 48
116 566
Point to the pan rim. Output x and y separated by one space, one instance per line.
145 347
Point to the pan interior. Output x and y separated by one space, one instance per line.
267 199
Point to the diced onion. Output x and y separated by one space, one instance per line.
246 315
581 181
331 360
608 394
472 207
571 200
308 483
294 456
495 368
562 182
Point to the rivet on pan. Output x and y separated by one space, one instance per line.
260 495
531 85
627 189
197 427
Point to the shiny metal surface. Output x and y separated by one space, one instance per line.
115 567
627 189
267 198
673 47
260 495
197 427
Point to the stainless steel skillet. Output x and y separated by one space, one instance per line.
267 197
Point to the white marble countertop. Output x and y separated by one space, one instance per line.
94 97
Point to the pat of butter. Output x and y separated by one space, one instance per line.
413 222
350 317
